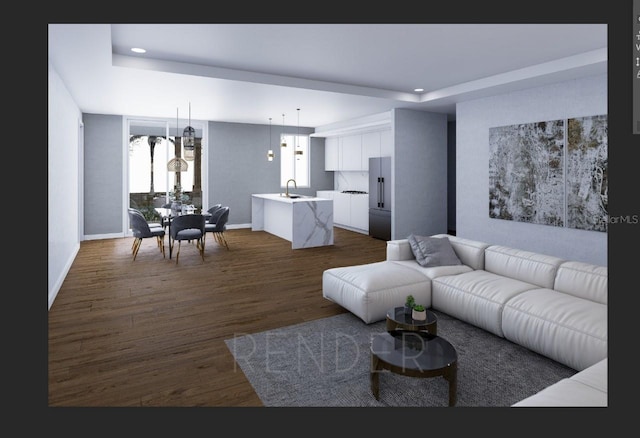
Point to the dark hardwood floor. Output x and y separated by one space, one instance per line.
151 333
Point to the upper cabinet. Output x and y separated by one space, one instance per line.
352 152
332 153
370 147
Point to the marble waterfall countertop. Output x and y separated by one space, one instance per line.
294 197
305 221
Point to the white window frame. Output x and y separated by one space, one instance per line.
292 168
170 128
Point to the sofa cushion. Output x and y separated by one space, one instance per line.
565 393
530 267
595 376
583 280
433 251
399 250
476 297
570 330
368 291
435 271
586 388
470 252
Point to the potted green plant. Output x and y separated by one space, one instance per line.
178 198
419 312
408 304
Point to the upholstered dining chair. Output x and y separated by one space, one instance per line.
141 230
187 227
210 213
217 225
212 210
139 213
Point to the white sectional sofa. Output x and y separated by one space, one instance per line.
554 307
586 388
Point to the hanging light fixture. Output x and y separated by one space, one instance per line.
270 153
298 150
282 138
189 140
177 164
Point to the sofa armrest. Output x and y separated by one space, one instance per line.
399 250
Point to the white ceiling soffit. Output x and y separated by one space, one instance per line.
248 73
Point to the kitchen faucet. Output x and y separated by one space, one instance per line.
294 184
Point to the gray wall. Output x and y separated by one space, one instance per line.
103 183
451 176
419 173
575 98
237 160
238 165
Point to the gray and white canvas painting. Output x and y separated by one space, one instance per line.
587 182
526 180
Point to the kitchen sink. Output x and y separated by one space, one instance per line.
292 196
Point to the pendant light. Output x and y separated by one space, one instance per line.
282 138
189 140
177 164
270 153
298 150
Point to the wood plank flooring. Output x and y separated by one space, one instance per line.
148 332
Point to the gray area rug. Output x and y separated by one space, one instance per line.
326 363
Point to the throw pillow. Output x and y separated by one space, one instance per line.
433 251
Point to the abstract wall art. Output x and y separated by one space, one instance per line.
550 173
587 182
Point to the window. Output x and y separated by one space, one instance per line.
294 165
150 183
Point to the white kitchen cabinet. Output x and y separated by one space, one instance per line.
341 208
350 211
360 212
351 152
370 147
376 144
332 153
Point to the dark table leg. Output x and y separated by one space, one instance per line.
452 377
170 243
375 376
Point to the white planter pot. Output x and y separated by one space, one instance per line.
420 316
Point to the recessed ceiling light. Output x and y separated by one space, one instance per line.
138 50
418 90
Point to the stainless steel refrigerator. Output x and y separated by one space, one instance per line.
380 197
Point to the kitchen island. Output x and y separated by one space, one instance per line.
305 221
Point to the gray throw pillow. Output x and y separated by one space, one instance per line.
433 251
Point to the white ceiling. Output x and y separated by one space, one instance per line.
333 72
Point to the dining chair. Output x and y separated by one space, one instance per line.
187 227
141 230
211 211
217 225
151 224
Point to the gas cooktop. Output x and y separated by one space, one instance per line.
354 192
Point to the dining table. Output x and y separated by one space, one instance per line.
168 214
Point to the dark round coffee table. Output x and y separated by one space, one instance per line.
398 319
414 354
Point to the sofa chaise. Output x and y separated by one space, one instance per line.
555 307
